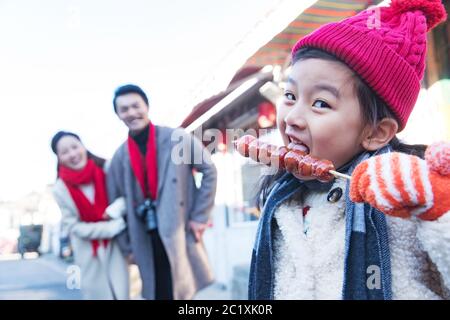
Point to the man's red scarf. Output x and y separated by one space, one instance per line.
89 212
145 169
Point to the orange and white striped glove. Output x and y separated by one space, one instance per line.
402 185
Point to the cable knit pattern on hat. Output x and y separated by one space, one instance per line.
386 47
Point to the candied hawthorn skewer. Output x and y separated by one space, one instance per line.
294 158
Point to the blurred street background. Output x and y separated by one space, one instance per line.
36 279
45 278
205 65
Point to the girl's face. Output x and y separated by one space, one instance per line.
71 153
320 110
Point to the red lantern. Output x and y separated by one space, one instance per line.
267 115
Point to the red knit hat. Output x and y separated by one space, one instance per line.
385 46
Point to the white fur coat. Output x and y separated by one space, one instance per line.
309 252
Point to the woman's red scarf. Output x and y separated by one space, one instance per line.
89 212
145 172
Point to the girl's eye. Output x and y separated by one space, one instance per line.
321 104
289 96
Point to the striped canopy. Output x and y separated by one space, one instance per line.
277 50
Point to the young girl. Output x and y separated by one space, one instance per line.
386 233
91 224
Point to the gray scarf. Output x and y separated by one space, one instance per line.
367 269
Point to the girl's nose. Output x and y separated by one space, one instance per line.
296 118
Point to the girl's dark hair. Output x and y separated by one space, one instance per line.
100 162
373 110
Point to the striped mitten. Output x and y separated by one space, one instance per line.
402 185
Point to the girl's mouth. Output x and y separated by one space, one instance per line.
296 144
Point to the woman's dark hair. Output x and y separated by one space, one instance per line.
373 110
58 136
128 88
100 162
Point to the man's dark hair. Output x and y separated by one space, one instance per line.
129 88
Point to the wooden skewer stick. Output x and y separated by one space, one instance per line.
340 175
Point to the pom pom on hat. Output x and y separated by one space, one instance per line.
433 10
438 157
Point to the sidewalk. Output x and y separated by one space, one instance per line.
44 278
213 292
41 278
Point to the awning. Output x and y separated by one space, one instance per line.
277 50
246 82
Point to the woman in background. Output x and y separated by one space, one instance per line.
88 221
